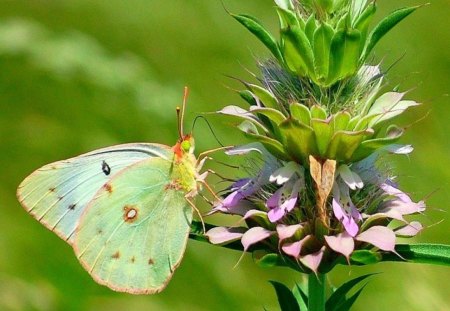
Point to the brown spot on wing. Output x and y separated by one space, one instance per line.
108 187
133 259
130 213
116 255
151 261
52 189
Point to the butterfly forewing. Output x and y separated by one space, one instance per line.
134 232
58 193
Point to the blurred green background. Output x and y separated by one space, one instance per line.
80 75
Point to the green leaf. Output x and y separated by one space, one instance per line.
321 46
338 297
310 27
392 112
298 139
367 147
341 120
344 54
302 298
357 8
288 18
323 132
272 145
344 143
248 97
365 257
384 26
436 254
318 112
241 113
297 50
266 97
300 113
363 21
285 297
255 27
326 5
284 4
273 114
348 303
248 127
264 260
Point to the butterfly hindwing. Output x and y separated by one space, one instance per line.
133 234
58 193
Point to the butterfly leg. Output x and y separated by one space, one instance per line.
210 171
208 187
188 199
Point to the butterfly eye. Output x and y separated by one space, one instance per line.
186 145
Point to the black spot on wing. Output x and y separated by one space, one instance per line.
72 206
105 168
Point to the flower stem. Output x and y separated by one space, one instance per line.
316 292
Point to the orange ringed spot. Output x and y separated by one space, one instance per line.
130 213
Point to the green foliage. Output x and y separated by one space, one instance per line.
286 298
338 301
332 44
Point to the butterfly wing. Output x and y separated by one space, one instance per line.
58 193
133 234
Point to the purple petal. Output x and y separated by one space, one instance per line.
395 192
356 215
350 225
289 204
409 230
254 212
239 184
292 249
342 243
254 235
274 200
403 207
312 261
219 235
388 214
379 236
232 199
285 232
338 210
276 214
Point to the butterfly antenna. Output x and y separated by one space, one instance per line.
210 128
180 113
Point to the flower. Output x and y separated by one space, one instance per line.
343 208
280 210
291 177
283 200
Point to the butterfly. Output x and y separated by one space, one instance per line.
126 210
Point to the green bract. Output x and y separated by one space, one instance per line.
324 40
294 131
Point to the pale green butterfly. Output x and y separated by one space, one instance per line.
126 209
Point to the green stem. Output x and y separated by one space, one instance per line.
316 292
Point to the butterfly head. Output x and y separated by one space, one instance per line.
187 144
